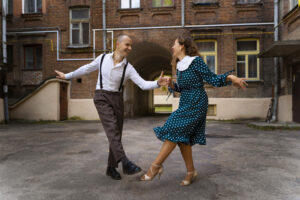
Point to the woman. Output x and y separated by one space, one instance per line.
186 126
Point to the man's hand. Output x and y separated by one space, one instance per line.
163 81
60 75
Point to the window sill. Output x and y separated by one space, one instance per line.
83 46
129 10
31 15
206 5
37 69
167 8
243 5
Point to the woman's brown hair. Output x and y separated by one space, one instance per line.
190 47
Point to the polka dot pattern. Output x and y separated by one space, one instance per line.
187 123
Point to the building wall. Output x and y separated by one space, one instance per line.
234 108
56 15
33 108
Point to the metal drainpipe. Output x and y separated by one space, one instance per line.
276 74
5 87
104 24
182 13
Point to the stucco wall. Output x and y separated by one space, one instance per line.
236 108
41 105
163 99
83 108
1 110
285 112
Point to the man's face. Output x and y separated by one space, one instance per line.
124 47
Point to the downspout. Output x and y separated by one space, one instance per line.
4 49
182 13
276 62
104 24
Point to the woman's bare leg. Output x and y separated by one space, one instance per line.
165 151
186 152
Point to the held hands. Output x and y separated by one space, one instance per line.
238 82
163 81
60 75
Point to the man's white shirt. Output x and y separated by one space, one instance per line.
112 74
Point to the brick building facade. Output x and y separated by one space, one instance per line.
287 49
50 34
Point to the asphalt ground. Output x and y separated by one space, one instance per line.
67 161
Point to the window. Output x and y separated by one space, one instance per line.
80 27
9 7
33 57
247 1
32 6
293 4
162 3
125 4
247 59
208 51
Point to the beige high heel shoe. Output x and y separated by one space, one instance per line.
188 182
145 177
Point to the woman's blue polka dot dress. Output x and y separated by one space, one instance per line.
187 123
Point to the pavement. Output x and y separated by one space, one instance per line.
67 161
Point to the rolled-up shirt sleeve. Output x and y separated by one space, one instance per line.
139 81
85 69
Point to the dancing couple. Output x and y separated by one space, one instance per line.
184 127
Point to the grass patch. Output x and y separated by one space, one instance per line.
75 118
163 109
272 128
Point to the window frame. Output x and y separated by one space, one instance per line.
292 2
80 21
34 46
161 4
246 54
130 5
204 54
23 7
10 2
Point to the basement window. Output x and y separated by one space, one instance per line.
79 27
32 6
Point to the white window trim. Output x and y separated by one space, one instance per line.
23 7
130 5
80 29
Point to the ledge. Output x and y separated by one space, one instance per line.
129 10
83 46
168 8
248 5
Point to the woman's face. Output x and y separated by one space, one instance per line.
177 48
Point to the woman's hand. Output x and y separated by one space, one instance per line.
237 82
60 75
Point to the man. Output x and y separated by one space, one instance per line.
113 71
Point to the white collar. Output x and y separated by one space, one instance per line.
185 63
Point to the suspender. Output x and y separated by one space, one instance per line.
101 85
123 75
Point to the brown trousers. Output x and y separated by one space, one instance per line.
110 108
